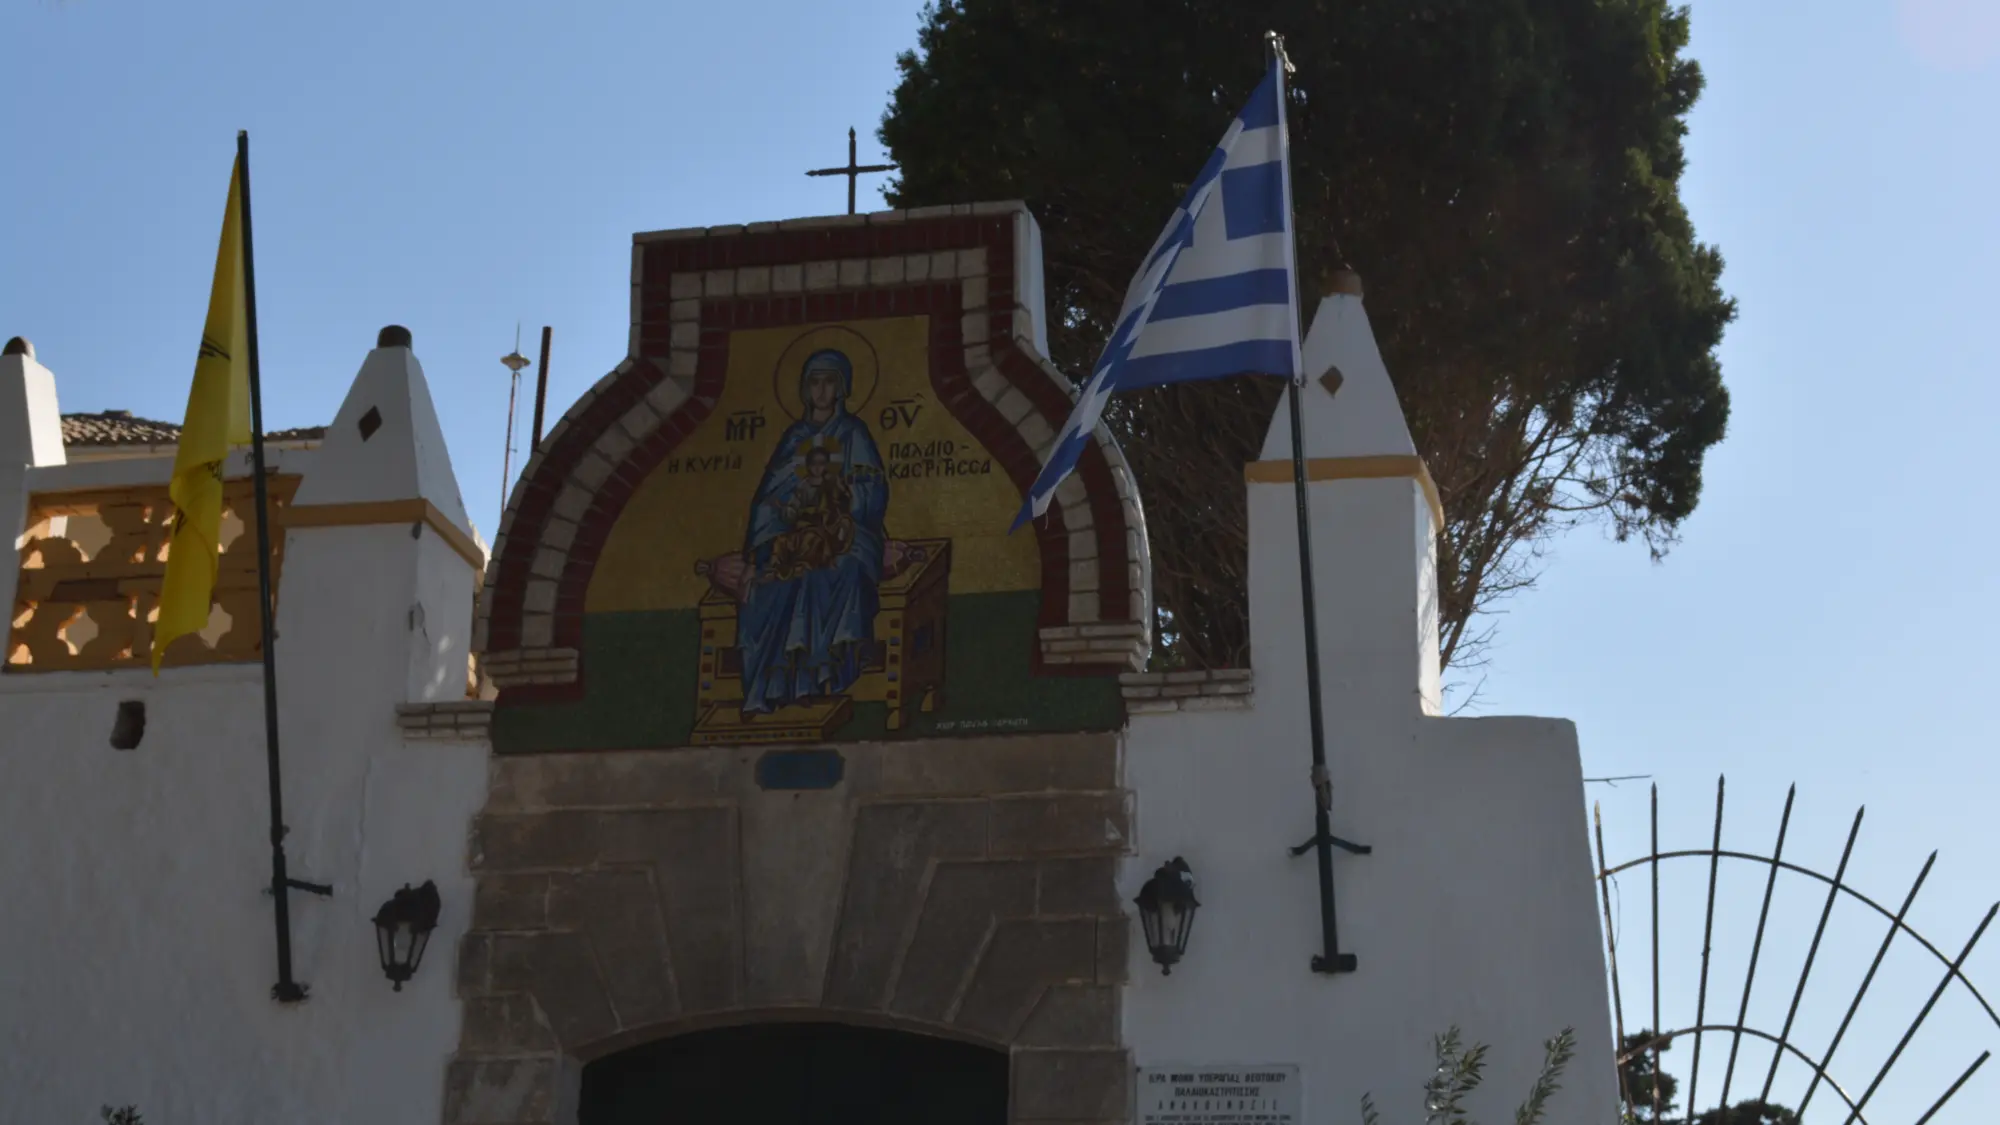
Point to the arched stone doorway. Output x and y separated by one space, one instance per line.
931 844
797 1074
958 888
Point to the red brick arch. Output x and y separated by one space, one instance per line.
959 266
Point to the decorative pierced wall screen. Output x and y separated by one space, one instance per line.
91 567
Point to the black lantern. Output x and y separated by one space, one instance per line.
1166 910
403 927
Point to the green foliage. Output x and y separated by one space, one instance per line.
1638 1077
1460 1069
1505 175
1556 1056
1750 1112
1458 1073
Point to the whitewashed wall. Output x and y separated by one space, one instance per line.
137 935
137 941
1476 909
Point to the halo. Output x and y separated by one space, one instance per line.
824 445
852 344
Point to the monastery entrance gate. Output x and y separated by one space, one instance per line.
793 740
955 891
798 1074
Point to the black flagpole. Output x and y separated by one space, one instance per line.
1330 959
287 990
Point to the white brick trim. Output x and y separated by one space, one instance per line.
471 721
1218 689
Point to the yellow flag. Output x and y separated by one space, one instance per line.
218 416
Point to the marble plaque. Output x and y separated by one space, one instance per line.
1264 1094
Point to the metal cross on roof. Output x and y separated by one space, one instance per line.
852 171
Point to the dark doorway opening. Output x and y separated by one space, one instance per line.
797 1074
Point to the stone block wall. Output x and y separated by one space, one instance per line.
963 888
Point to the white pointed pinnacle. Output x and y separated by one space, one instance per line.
386 442
1365 419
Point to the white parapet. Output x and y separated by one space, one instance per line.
1375 518
383 497
30 419
30 437
137 808
1476 907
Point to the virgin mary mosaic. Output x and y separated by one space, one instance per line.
823 558
807 581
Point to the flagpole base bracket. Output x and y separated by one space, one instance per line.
290 992
1348 846
1338 963
324 890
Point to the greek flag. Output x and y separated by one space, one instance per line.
1217 295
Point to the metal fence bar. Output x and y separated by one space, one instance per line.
1757 945
1707 936
1696 1031
1656 950
1922 1015
1812 953
1946 1096
1611 951
1704 853
1895 924
1656 1040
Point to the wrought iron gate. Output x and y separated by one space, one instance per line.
1736 1030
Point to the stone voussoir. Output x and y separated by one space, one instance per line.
525 1090
1061 824
1071 1085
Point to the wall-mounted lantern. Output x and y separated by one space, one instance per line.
403 927
1166 911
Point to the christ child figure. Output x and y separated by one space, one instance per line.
818 518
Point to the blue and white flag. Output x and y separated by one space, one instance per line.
1217 295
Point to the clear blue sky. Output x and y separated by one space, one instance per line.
458 167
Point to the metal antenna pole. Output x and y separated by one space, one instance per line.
541 394
514 361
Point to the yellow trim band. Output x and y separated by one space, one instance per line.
1382 466
370 512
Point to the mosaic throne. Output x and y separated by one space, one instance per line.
903 667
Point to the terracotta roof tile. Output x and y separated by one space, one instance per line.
118 427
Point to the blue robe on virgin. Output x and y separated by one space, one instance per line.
804 637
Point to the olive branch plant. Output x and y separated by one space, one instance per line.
1459 1071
